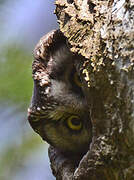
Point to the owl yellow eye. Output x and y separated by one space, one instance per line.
74 123
77 80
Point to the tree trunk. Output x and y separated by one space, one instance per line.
102 32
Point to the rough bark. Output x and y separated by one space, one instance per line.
102 32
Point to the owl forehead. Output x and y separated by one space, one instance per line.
63 112
60 59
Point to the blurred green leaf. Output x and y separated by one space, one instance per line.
15 75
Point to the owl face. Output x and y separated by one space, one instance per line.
58 110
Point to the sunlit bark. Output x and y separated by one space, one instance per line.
102 32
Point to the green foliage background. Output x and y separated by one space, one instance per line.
16 91
23 155
15 75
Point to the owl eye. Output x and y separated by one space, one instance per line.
74 123
77 80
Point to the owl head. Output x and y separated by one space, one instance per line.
58 110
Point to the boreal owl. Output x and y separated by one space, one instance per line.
58 110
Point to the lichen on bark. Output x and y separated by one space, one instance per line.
102 32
